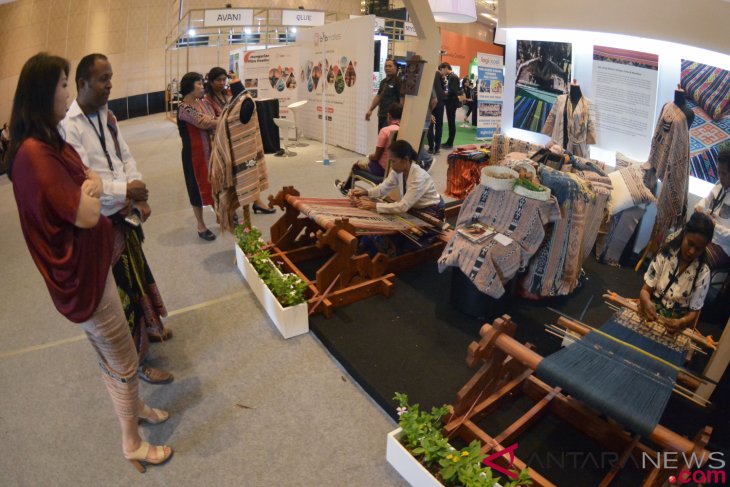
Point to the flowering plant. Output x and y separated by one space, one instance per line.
289 289
423 438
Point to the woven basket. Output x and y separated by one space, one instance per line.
535 195
499 184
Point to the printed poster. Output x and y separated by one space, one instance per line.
234 61
273 73
624 97
543 73
336 79
490 84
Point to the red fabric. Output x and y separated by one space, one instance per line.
74 262
199 152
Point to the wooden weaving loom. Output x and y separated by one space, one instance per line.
508 367
348 275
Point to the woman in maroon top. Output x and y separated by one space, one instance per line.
71 243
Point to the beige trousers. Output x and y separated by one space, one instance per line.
108 332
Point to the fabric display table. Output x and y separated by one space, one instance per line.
555 269
464 170
491 263
268 110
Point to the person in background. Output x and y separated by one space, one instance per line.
196 120
388 93
377 162
451 89
91 128
71 242
717 206
436 127
676 283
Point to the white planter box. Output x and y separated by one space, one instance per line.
406 465
290 321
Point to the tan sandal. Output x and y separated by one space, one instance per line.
139 458
152 415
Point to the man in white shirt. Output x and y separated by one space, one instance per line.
717 206
92 130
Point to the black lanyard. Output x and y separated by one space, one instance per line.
102 139
718 201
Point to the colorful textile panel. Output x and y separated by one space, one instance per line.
531 110
708 86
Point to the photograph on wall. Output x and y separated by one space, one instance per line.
707 93
624 97
234 62
543 73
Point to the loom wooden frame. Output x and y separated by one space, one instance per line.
507 368
347 276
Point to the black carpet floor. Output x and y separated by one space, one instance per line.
415 342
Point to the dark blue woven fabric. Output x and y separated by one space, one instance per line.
622 383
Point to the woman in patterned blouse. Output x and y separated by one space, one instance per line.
196 120
676 283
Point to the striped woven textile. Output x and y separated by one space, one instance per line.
669 157
489 264
237 165
708 86
623 383
326 211
555 269
463 174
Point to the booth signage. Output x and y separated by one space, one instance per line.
232 17
409 29
302 17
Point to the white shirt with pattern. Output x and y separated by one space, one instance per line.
681 293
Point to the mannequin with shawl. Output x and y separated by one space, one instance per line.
237 164
570 122
669 162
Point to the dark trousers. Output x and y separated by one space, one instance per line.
435 130
382 122
451 108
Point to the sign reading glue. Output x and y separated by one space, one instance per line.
302 17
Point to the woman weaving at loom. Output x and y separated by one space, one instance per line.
676 283
415 185
417 191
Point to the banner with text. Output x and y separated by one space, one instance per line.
274 73
489 89
624 95
336 79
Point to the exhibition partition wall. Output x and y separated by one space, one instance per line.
331 67
628 78
338 63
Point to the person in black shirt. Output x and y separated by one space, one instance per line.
451 87
388 93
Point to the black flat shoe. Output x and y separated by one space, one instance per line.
207 235
259 209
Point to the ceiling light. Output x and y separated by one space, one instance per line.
191 32
454 11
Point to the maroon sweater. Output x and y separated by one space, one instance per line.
73 261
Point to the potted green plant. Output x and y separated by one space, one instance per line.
283 295
422 455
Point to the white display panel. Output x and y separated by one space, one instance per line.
670 56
